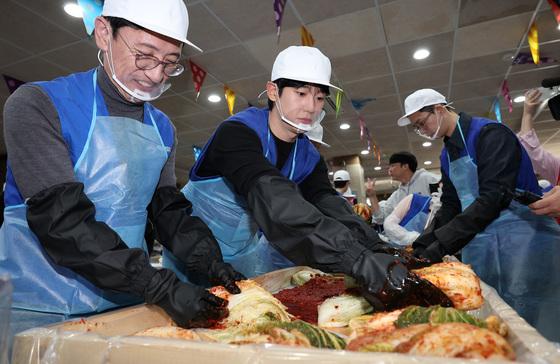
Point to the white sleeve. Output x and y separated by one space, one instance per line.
396 233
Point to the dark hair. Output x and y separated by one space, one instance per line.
430 108
340 184
404 158
117 23
286 82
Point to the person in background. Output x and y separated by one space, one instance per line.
89 159
544 163
408 220
402 168
341 181
264 190
482 162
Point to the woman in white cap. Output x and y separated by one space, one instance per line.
482 164
89 159
263 189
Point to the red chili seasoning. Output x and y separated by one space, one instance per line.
302 301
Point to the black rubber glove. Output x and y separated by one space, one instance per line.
387 284
190 240
338 208
406 257
188 305
433 253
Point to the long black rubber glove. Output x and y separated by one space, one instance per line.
190 240
338 208
63 219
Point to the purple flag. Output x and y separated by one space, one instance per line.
525 57
507 97
12 83
279 6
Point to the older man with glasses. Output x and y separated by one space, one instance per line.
89 159
483 166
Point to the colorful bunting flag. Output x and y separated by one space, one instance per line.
198 75
12 83
196 151
497 110
306 37
507 97
359 104
279 6
338 101
533 39
230 98
525 57
555 6
91 9
363 128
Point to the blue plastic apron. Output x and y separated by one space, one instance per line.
518 253
417 215
120 167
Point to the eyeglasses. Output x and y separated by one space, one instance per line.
419 125
145 62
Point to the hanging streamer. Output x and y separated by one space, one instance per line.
230 98
279 6
198 75
555 6
533 39
306 37
507 97
12 83
497 110
339 95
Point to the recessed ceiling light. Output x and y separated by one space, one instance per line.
377 168
364 152
519 99
74 10
344 126
331 173
421 53
428 163
427 144
214 98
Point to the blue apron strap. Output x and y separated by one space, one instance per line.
267 142
462 137
92 124
293 166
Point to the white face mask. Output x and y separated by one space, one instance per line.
136 95
302 128
435 135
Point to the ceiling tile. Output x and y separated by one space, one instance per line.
248 18
407 20
76 57
436 77
10 54
250 87
176 105
206 31
28 30
371 88
440 47
474 89
526 80
476 11
372 63
229 64
311 13
482 67
490 37
34 69
202 121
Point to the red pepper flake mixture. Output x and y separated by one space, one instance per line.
302 301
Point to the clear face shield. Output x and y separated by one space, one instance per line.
135 94
301 126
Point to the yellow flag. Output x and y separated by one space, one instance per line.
306 37
338 102
533 39
230 98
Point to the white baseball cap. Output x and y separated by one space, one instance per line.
348 193
316 135
341 175
417 100
166 17
301 63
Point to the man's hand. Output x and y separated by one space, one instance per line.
549 205
370 187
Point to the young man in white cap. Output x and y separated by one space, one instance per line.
507 245
89 159
341 180
264 190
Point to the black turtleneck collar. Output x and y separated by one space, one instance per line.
117 105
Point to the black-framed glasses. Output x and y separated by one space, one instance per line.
145 62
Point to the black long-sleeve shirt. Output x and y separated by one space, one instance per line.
236 154
498 159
